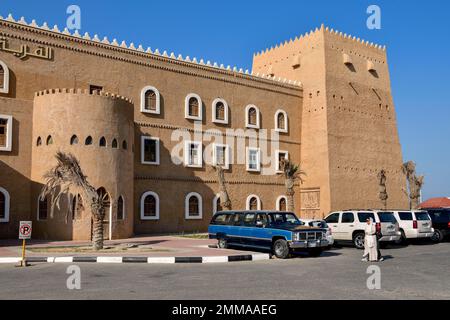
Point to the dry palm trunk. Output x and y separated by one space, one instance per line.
98 215
224 197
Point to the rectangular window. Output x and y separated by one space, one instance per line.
221 156
405 216
5 133
93 88
280 156
43 210
253 159
193 154
149 150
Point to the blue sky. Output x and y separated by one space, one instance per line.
416 34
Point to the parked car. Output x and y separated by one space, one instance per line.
321 224
441 223
414 224
349 226
280 232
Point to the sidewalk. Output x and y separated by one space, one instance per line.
142 246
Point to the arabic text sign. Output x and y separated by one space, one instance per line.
24 51
25 230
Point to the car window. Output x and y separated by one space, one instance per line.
440 216
263 218
236 219
348 217
405 216
387 217
422 216
284 218
333 218
363 216
318 224
249 219
221 219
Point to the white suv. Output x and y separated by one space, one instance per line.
414 224
349 226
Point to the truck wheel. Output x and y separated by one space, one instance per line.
403 240
222 243
358 240
281 249
315 252
438 236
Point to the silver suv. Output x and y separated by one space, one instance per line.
349 226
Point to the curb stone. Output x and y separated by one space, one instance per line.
134 260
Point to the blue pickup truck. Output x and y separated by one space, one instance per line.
280 232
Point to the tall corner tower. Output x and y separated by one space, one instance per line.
348 130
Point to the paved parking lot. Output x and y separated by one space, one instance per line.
413 272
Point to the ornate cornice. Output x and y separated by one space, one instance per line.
208 132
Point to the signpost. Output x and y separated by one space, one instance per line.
24 235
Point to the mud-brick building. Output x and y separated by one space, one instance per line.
139 121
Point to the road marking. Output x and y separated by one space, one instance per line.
161 260
259 257
214 259
109 259
10 260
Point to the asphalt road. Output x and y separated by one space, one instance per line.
413 272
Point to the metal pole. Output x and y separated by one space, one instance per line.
23 263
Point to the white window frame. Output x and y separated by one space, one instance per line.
225 104
5 88
247 202
143 139
9 132
144 195
277 204
286 128
226 166
7 205
187 154
186 206
200 107
158 100
216 197
277 156
258 169
247 119
124 208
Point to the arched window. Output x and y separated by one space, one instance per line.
252 117
220 111
193 206
102 142
88 141
74 140
120 209
42 209
253 203
104 196
193 107
150 206
77 207
39 142
114 144
216 204
4 78
124 145
281 204
4 205
150 100
49 140
281 121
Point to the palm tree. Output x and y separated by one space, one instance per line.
415 184
224 197
292 173
67 177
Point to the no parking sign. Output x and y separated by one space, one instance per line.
25 230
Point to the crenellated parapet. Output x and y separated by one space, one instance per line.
84 92
149 52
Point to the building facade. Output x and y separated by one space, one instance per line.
140 121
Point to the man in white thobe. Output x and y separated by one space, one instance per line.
370 242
